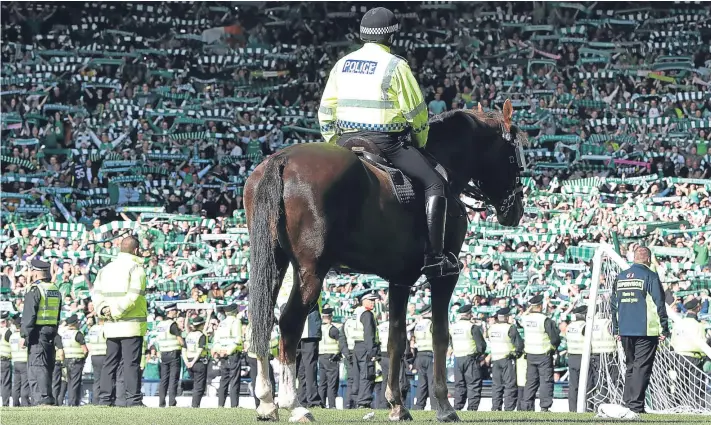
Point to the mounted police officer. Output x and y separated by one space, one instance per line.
506 345
468 345
195 359
328 359
424 362
75 352
5 359
20 386
374 94
170 344
40 317
575 336
541 340
96 343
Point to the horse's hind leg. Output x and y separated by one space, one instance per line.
308 280
267 409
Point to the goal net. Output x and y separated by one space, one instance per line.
676 385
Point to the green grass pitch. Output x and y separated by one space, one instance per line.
179 416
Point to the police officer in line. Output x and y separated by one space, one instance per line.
686 337
20 386
346 344
5 359
468 346
365 334
119 298
59 374
575 336
170 344
640 321
252 358
75 353
40 318
505 345
329 359
541 338
307 359
195 359
424 362
227 347
96 343
373 90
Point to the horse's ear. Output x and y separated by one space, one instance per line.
508 114
480 109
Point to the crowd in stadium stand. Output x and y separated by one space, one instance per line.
148 118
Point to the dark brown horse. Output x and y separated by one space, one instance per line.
318 206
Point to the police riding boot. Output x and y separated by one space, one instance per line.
436 263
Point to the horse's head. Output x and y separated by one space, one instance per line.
487 160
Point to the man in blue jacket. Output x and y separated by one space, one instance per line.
639 320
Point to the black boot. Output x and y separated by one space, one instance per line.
436 263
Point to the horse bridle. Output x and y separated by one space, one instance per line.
473 189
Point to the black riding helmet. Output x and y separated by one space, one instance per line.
378 25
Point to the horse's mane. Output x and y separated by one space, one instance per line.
490 119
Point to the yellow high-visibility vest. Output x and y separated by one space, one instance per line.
229 334
72 349
96 341
5 349
167 342
685 335
192 345
384 334
358 330
574 336
602 339
50 303
536 339
463 343
521 369
500 343
328 344
423 335
349 327
18 354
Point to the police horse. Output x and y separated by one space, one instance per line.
320 206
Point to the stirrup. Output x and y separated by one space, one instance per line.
440 265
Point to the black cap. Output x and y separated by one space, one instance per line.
503 311
465 309
426 309
537 300
690 305
583 309
4 315
378 24
170 307
198 321
73 319
229 308
327 311
38 264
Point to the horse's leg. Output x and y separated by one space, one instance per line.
267 409
441 294
399 296
308 279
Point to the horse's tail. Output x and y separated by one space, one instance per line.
263 238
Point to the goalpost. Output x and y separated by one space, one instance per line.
675 385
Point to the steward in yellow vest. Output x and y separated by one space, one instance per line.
505 345
170 343
195 358
40 318
21 384
226 348
96 343
328 359
75 352
5 359
468 345
119 297
575 336
424 360
688 334
541 340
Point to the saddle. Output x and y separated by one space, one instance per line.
401 184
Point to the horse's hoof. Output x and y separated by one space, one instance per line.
268 413
400 415
301 415
449 417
